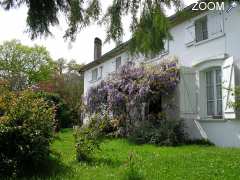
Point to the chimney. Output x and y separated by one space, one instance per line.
97 48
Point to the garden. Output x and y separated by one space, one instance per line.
129 131
121 159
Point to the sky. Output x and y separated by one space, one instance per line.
13 26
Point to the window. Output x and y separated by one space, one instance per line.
118 62
100 72
214 92
94 74
201 29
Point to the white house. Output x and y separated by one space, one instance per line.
207 45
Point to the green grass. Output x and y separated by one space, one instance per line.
150 162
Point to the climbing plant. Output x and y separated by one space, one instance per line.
127 92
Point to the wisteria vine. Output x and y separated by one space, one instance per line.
133 85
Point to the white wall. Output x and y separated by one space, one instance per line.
108 67
220 132
223 133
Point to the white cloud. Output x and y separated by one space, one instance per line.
13 26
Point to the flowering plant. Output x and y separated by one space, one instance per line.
132 86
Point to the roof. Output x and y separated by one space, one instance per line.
118 50
175 19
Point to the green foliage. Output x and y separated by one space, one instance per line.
89 137
69 85
87 143
160 131
152 162
133 96
237 102
150 32
151 26
23 66
26 130
203 142
132 171
62 111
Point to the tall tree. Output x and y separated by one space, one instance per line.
69 85
23 66
61 65
148 18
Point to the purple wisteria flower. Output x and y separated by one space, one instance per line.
133 85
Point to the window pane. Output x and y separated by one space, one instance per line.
210 86
218 76
214 92
210 93
94 74
118 63
100 71
209 76
210 108
198 31
219 107
204 28
201 29
219 91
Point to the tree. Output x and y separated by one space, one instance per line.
24 66
61 63
149 22
68 83
70 87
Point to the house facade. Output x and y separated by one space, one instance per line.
207 46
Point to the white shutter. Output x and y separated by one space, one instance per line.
215 23
166 46
190 34
228 80
188 91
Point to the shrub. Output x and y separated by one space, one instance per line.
87 142
26 130
89 137
237 102
202 142
160 131
62 112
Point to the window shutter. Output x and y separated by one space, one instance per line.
198 30
188 94
228 80
215 23
190 34
166 46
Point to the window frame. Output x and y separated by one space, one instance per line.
94 78
100 73
215 99
204 32
117 66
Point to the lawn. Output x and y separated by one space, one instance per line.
151 162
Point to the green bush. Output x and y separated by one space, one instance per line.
87 143
63 114
26 130
89 137
160 131
237 102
